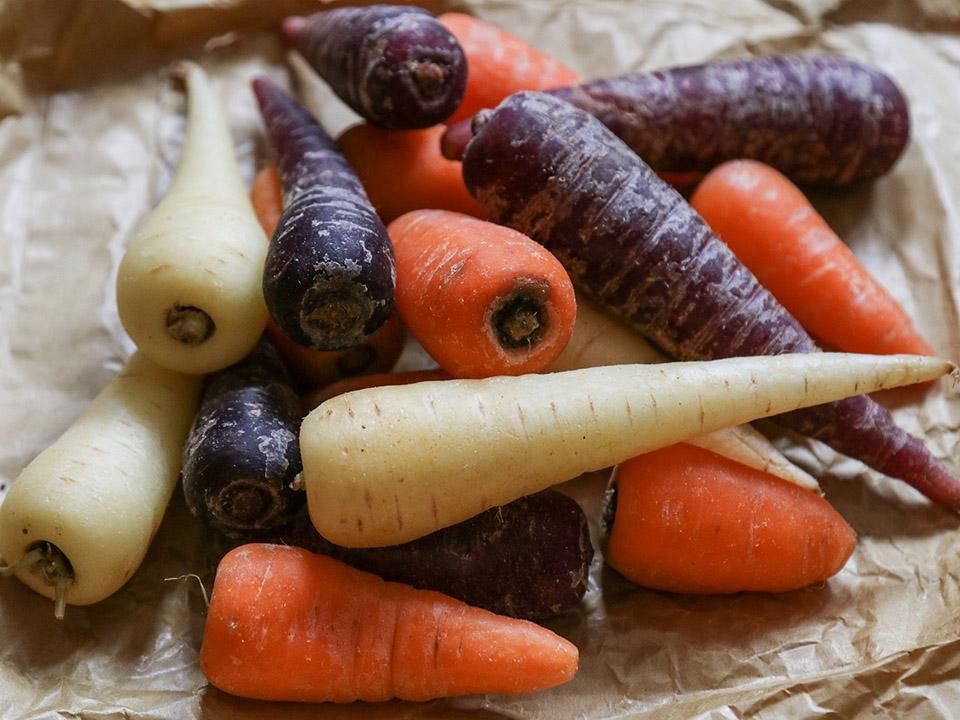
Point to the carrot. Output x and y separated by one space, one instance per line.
285 624
322 394
386 465
774 230
482 299
688 520
376 353
500 64
404 170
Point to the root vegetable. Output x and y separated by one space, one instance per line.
188 287
320 395
285 624
630 241
387 465
329 274
482 299
687 520
599 340
92 501
242 452
396 66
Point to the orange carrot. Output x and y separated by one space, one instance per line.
500 64
689 520
482 299
773 230
377 353
404 170
313 398
285 624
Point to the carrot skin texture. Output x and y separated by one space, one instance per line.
500 64
396 66
529 558
687 520
774 230
482 299
242 452
285 624
329 274
548 170
821 120
404 170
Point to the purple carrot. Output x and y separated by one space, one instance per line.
329 274
555 173
242 452
821 120
396 66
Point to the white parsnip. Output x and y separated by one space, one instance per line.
599 340
94 499
189 286
386 465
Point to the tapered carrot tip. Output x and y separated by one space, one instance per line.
292 26
285 624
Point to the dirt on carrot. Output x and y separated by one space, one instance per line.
774 230
688 520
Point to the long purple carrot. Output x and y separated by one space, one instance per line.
554 172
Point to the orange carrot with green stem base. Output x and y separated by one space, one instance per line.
285 624
774 230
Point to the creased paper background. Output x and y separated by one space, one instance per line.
92 133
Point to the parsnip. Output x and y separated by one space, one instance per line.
386 465
599 339
93 500
189 286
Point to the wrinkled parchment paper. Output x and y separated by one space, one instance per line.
92 132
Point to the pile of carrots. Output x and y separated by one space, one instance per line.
485 301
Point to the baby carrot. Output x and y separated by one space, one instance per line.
688 520
404 170
482 299
773 230
313 398
376 353
500 64
285 624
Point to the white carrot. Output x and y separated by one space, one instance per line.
189 286
386 465
77 522
599 339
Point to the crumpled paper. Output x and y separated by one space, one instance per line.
91 134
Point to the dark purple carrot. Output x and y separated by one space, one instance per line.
396 66
329 274
821 120
528 559
242 452
631 242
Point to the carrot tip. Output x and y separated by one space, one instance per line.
454 140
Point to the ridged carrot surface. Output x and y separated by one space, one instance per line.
285 624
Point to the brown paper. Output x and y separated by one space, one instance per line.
91 136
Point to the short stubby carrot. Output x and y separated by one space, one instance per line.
774 230
482 299
403 170
285 624
313 398
500 64
377 353
689 520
